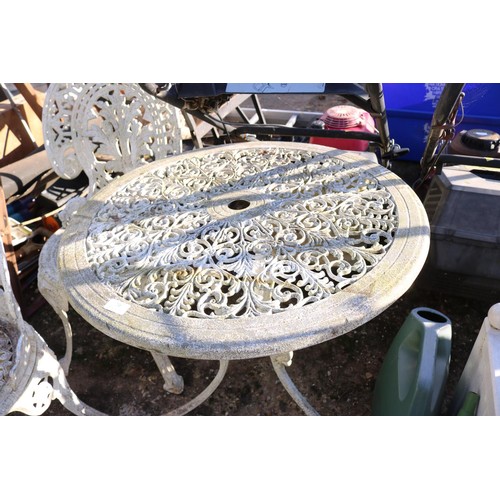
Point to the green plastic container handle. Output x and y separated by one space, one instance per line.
413 375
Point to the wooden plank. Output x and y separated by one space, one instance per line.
18 175
14 141
33 97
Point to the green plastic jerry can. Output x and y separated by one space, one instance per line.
413 375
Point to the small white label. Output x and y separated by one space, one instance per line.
117 307
275 88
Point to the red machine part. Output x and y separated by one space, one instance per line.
349 119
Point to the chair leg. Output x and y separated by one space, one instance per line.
35 399
51 290
47 382
60 304
65 361
174 383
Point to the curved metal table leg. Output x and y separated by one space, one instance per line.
279 363
68 332
204 395
174 383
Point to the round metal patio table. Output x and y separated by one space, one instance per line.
242 251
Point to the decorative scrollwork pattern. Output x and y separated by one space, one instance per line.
121 127
6 356
58 128
241 233
106 129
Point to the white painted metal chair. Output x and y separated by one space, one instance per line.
30 375
106 130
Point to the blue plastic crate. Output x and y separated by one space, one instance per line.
410 107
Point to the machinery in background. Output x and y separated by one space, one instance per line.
459 184
201 101
347 119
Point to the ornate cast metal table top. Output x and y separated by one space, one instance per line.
244 250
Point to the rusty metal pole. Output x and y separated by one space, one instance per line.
447 103
377 101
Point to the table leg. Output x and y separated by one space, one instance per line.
49 286
174 383
203 396
279 363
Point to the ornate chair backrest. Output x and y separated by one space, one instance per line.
106 130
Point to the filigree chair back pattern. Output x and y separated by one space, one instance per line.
58 128
241 233
106 129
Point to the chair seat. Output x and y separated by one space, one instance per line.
18 355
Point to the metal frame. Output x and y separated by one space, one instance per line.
368 96
442 129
